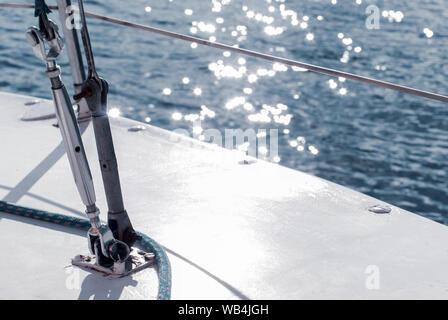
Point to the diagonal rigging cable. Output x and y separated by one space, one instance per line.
307 66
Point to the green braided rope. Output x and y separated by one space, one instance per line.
146 244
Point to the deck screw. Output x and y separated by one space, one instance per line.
30 103
380 209
136 128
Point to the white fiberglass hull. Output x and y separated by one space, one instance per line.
232 231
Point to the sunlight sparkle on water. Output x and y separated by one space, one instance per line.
113 112
206 112
206 27
197 130
332 84
192 117
241 61
252 78
176 116
301 140
279 67
345 57
235 102
313 150
262 72
298 69
393 16
226 71
248 106
273 31
259 117
428 32
197 91
347 41
343 91
273 19
263 150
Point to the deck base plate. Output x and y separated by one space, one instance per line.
139 260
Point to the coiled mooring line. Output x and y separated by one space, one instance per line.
146 243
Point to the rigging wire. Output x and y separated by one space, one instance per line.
303 65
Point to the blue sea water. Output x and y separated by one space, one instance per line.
386 144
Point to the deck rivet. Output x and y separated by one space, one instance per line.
247 161
136 128
380 209
32 102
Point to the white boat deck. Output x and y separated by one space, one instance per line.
232 231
